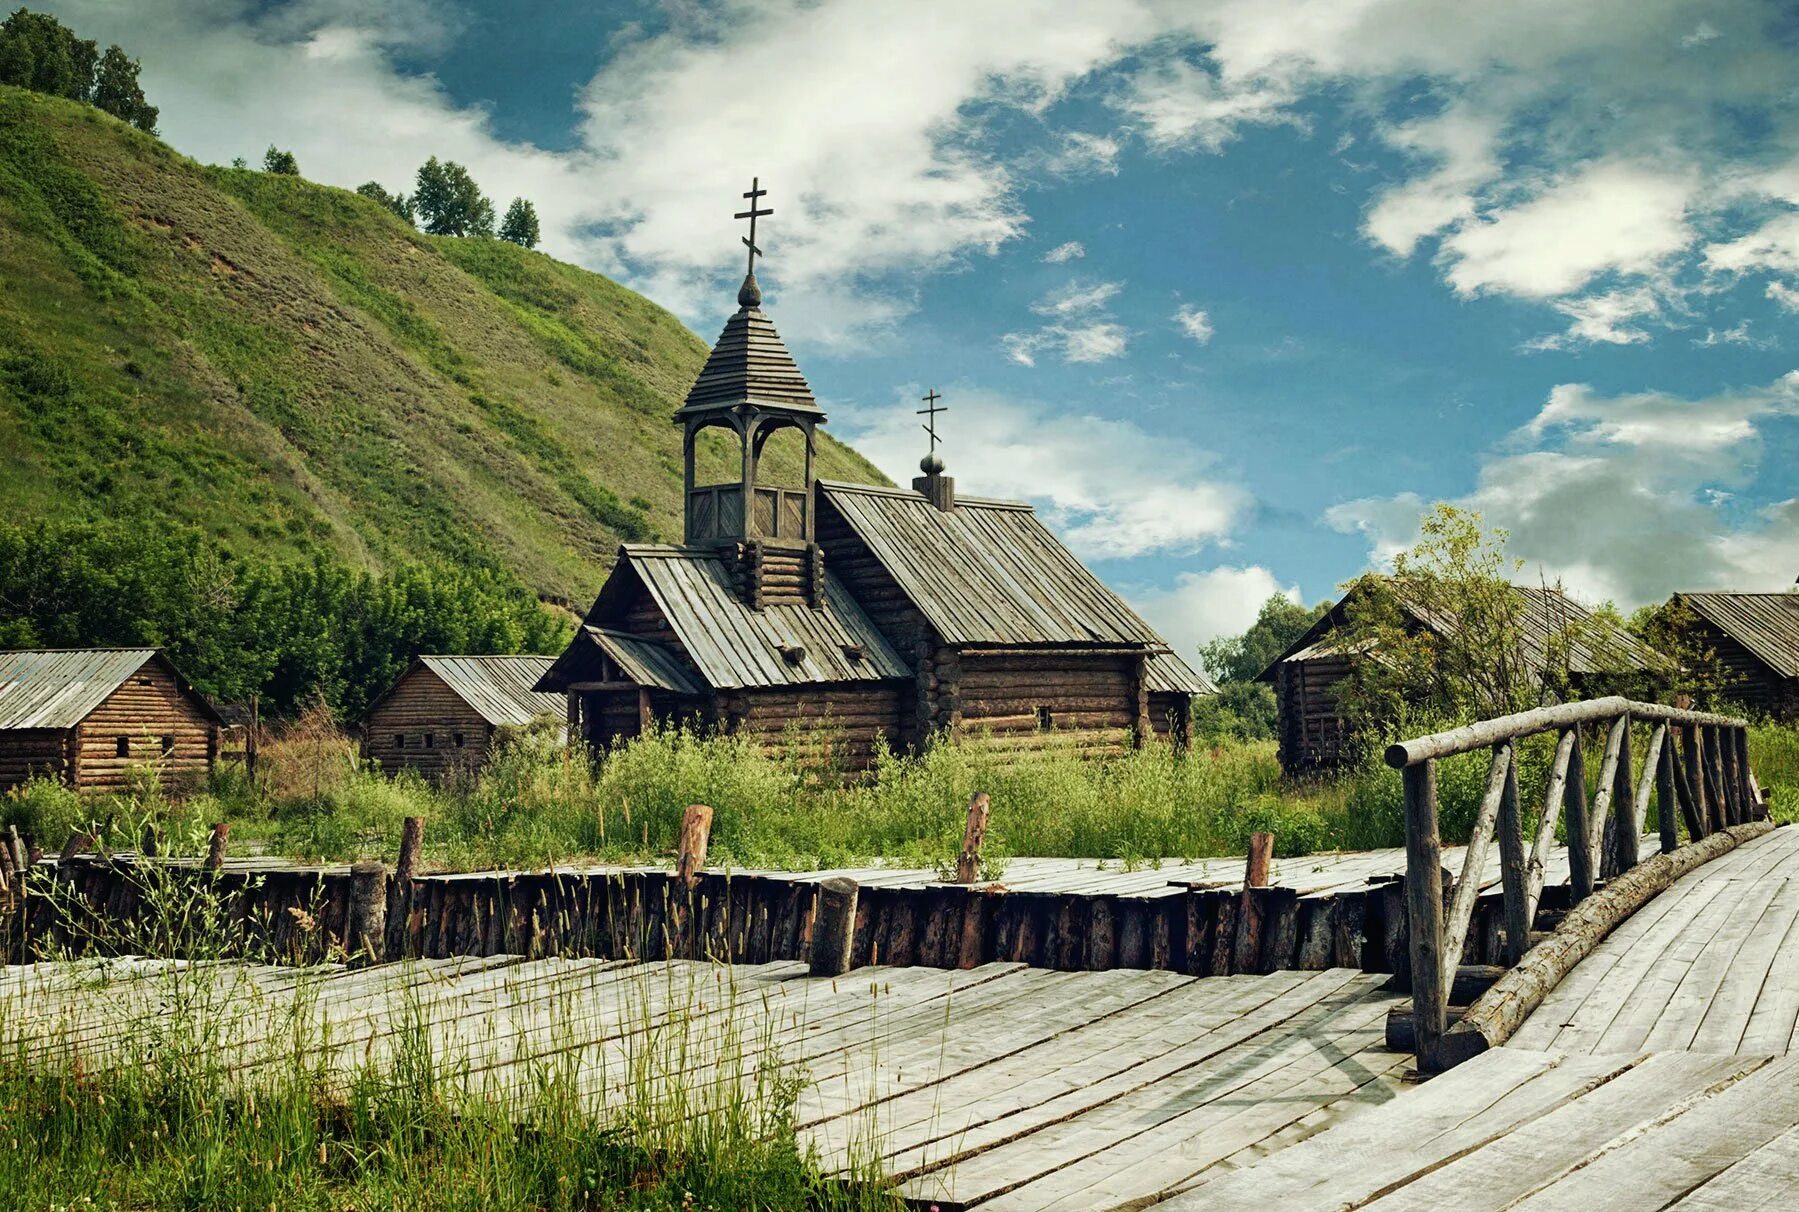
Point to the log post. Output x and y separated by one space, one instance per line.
1714 779
412 841
696 829
1691 763
1665 811
968 862
366 937
833 927
215 846
1261 853
1424 908
1626 840
1690 809
1514 870
1574 813
1752 800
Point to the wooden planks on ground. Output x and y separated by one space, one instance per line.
1004 1086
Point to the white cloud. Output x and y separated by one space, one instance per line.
1610 217
1787 297
1074 250
1194 322
1080 331
1625 497
1609 318
1202 606
1109 487
1702 33
1082 153
1179 104
1773 246
1462 143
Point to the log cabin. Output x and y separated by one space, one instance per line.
847 616
441 716
1315 733
90 716
1753 640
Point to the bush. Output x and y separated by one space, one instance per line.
45 811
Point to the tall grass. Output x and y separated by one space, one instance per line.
204 1084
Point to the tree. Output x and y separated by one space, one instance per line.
520 224
1244 708
280 162
117 92
449 203
40 53
399 204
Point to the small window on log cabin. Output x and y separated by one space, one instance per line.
428 738
457 738
168 746
145 682
399 741
1043 721
122 746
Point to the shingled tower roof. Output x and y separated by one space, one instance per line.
749 365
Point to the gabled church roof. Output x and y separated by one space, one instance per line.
749 365
734 646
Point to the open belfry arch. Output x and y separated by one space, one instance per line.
845 616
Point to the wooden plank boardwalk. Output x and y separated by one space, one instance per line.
1005 1087
1661 1073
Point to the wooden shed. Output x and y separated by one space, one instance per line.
1754 640
856 612
1315 734
440 716
87 716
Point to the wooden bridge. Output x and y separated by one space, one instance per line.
1639 1054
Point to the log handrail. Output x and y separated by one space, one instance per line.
1704 780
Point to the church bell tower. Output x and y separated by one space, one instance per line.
751 387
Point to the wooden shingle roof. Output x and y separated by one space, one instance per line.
1767 624
499 688
749 365
1593 645
646 662
60 687
734 646
987 572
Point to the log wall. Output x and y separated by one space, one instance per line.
34 752
1047 701
833 725
1313 733
1748 680
425 726
149 720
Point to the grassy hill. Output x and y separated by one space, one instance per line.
290 368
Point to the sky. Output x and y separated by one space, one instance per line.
1232 291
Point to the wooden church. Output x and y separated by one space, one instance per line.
852 611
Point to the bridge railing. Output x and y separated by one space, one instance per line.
1696 764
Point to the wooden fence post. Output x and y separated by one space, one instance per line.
1514 871
366 935
1574 813
833 927
968 862
1424 909
1626 840
412 841
215 846
696 830
1261 854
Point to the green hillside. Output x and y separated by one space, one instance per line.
289 367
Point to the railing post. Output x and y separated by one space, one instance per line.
1625 839
1424 907
1714 781
1574 814
1665 796
1513 870
1733 785
1692 761
1751 801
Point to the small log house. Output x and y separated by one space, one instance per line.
87 716
1754 640
851 612
1313 731
442 714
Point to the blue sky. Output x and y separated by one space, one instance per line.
1231 290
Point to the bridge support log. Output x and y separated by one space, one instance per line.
1498 1013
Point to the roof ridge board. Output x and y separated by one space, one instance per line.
910 494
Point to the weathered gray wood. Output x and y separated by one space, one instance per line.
1616 738
833 927
215 845
1487 733
1691 808
1496 1016
1581 871
1623 833
1424 908
696 830
1474 861
1666 813
1514 871
412 842
366 935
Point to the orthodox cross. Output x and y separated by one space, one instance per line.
929 413
752 214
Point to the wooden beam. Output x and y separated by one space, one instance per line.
1574 816
1474 861
696 830
1487 733
1261 854
1424 908
968 862
1514 871
833 927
